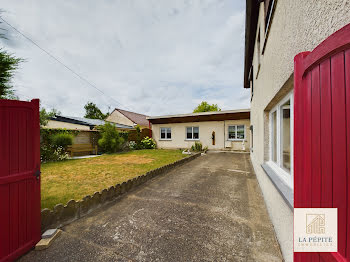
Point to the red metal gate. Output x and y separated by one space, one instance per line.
19 177
322 135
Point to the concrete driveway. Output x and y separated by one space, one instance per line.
210 209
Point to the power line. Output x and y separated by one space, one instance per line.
41 102
60 62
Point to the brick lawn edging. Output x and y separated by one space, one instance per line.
62 215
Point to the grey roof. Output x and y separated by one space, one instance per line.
91 122
87 121
137 118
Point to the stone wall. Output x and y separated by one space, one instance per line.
64 214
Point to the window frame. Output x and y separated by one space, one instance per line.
268 18
259 53
268 21
191 139
166 132
251 128
251 82
236 139
287 176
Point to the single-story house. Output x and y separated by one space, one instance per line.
277 35
124 117
222 130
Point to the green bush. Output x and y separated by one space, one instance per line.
62 140
110 140
124 135
53 145
148 143
197 147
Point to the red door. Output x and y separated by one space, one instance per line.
19 177
322 135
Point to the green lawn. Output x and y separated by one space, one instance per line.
74 179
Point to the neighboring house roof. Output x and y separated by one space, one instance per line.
201 117
251 21
86 121
137 118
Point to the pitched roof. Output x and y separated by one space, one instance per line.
86 121
137 118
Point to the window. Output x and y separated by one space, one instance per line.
258 46
281 138
236 132
285 130
251 82
274 136
258 53
192 133
165 133
251 138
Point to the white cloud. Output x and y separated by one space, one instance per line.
154 57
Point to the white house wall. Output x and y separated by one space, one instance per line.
178 133
119 118
297 26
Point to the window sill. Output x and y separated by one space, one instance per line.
237 140
285 190
165 139
192 139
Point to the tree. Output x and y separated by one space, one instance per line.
110 140
93 112
205 107
8 65
46 115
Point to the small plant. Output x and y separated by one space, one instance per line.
205 149
197 147
132 145
62 140
148 143
138 134
110 140
52 153
60 154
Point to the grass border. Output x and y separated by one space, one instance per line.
62 215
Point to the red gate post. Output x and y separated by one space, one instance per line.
36 138
300 182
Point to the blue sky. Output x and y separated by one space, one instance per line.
153 57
